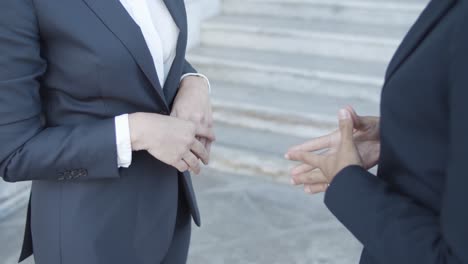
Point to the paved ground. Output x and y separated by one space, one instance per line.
246 220
11 232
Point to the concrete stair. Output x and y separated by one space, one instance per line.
253 136
292 72
281 69
310 37
381 12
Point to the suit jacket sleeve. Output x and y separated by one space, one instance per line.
393 227
188 68
29 149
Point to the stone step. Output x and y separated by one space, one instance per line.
280 70
257 140
363 3
256 125
270 120
289 72
252 163
399 12
313 37
280 111
254 153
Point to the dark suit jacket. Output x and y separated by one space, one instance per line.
67 68
416 210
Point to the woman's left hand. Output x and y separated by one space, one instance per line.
192 103
328 166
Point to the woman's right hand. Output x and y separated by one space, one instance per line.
366 137
170 140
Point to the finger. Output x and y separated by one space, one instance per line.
301 168
192 161
312 177
346 125
357 121
205 131
207 144
203 141
314 144
181 166
199 150
208 149
306 157
316 188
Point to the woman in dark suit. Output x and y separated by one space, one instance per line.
415 210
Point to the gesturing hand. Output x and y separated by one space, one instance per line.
318 170
192 103
366 136
170 140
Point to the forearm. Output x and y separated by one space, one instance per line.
189 71
82 152
29 149
392 227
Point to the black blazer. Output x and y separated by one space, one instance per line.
416 210
67 68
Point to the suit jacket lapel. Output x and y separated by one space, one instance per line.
177 10
119 22
178 13
175 7
426 22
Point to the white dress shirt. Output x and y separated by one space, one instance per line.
160 33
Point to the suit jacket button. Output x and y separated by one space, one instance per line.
61 176
73 174
83 172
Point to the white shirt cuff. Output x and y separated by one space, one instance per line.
199 75
123 141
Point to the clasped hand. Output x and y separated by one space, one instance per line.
184 138
356 142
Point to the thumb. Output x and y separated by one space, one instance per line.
346 125
357 121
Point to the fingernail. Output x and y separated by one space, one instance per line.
344 114
286 156
308 190
293 182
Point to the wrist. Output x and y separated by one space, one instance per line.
136 133
195 81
